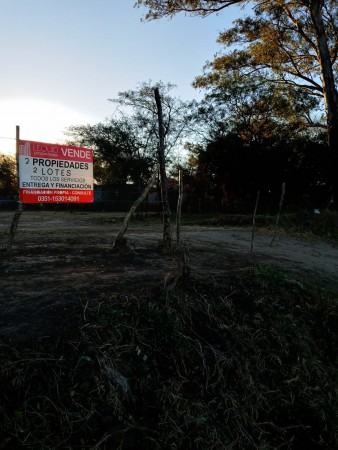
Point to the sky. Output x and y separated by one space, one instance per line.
62 60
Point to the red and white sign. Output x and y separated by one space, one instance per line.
52 173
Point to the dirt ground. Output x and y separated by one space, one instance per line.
61 260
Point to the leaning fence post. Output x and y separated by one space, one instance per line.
119 237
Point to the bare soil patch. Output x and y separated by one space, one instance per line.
60 260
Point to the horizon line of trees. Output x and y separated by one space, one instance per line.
223 169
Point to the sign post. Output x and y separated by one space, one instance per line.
53 173
18 212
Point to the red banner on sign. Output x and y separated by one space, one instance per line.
55 196
55 151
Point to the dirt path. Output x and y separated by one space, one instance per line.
317 260
62 260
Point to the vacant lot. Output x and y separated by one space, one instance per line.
59 258
103 349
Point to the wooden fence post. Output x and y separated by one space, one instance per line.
18 212
278 213
179 207
254 221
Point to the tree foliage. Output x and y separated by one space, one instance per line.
281 39
279 43
255 110
118 153
161 8
140 106
8 178
126 145
228 171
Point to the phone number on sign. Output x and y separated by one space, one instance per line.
58 198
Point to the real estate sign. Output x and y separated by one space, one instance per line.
52 173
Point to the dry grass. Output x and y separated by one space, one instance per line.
245 363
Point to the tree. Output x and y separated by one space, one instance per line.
293 43
126 146
162 121
8 179
256 110
141 108
119 155
255 138
229 170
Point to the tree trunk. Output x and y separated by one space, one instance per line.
329 91
163 175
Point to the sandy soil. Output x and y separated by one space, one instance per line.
61 260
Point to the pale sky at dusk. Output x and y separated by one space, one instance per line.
61 60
